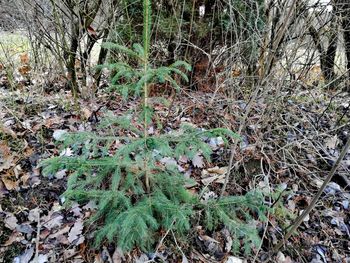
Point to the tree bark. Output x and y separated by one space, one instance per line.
72 75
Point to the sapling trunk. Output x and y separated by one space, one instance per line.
146 45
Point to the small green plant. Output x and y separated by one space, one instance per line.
136 193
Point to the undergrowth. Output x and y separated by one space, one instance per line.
120 167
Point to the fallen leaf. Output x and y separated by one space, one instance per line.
55 221
91 205
118 256
184 259
61 174
86 113
34 214
41 259
197 160
76 231
281 258
24 228
234 260
24 70
24 58
58 135
67 152
11 221
76 210
214 171
216 178
168 161
10 183
6 158
183 159
59 233
15 237
25 257
331 143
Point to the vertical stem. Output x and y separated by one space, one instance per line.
146 45
191 24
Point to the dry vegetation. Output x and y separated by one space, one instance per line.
276 73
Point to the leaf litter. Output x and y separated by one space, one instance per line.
30 200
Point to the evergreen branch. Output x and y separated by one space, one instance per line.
123 49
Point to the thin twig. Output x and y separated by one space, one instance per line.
300 219
160 244
268 212
234 146
177 245
37 240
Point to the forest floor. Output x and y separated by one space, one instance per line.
288 146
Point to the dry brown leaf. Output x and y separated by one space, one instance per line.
7 131
86 113
6 158
214 174
59 233
52 121
10 183
15 237
24 58
216 170
24 70
216 178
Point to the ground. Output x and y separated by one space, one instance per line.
289 143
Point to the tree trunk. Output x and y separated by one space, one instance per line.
328 57
72 76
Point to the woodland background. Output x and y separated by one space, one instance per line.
274 72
